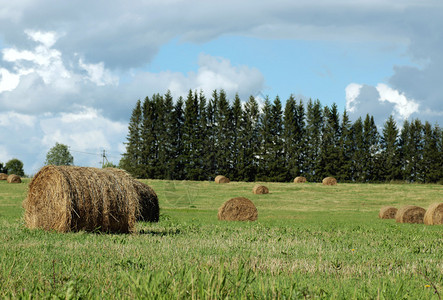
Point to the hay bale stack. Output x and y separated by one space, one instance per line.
149 207
387 212
300 179
410 214
238 209
221 179
14 179
3 176
434 214
66 198
329 181
260 189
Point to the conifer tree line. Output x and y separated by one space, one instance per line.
198 138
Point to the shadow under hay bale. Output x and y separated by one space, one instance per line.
65 198
221 179
260 189
149 207
3 176
387 212
238 209
434 214
300 179
329 181
410 214
14 179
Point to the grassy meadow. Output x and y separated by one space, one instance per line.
310 241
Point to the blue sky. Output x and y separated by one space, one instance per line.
71 72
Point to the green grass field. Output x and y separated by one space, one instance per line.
310 241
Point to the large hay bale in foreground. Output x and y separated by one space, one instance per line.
410 214
434 214
300 179
14 179
65 198
221 179
387 212
149 207
3 176
329 181
238 209
260 189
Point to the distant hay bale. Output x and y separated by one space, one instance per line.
410 214
387 212
3 176
260 189
329 181
66 198
149 207
300 179
221 179
238 209
434 214
14 179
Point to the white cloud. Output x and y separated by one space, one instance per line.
404 107
98 74
352 92
8 80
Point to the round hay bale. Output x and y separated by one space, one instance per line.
3 176
14 179
329 181
260 189
410 214
387 212
434 214
66 198
149 207
221 179
300 179
238 209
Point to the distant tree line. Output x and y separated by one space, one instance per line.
198 138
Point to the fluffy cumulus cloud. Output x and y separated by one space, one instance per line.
380 101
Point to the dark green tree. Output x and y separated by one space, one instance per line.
403 150
358 152
314 125
431 165
345 151
265 154
330 142
237 114
249 141
371 150
132 157
15 166
390 165
3 169
414 152
178 155
223 136
59 155
190 137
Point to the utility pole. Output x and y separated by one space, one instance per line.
104 158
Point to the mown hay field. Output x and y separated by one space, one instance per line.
309 241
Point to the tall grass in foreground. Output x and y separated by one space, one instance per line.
309 241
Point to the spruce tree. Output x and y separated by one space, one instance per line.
330 142
345 152
131 159
276 159
371 149
266 140
224 135
237 132
190 137
178 152
211 154
249 141
314 125
389 147
403 147
429 165
359 152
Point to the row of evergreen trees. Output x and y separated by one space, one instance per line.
197 139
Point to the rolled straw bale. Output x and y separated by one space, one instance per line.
300 179
14 179
260 189
329 181
434 214
387 212
221 179
238 209
410 214
3 176
66 198
149 207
